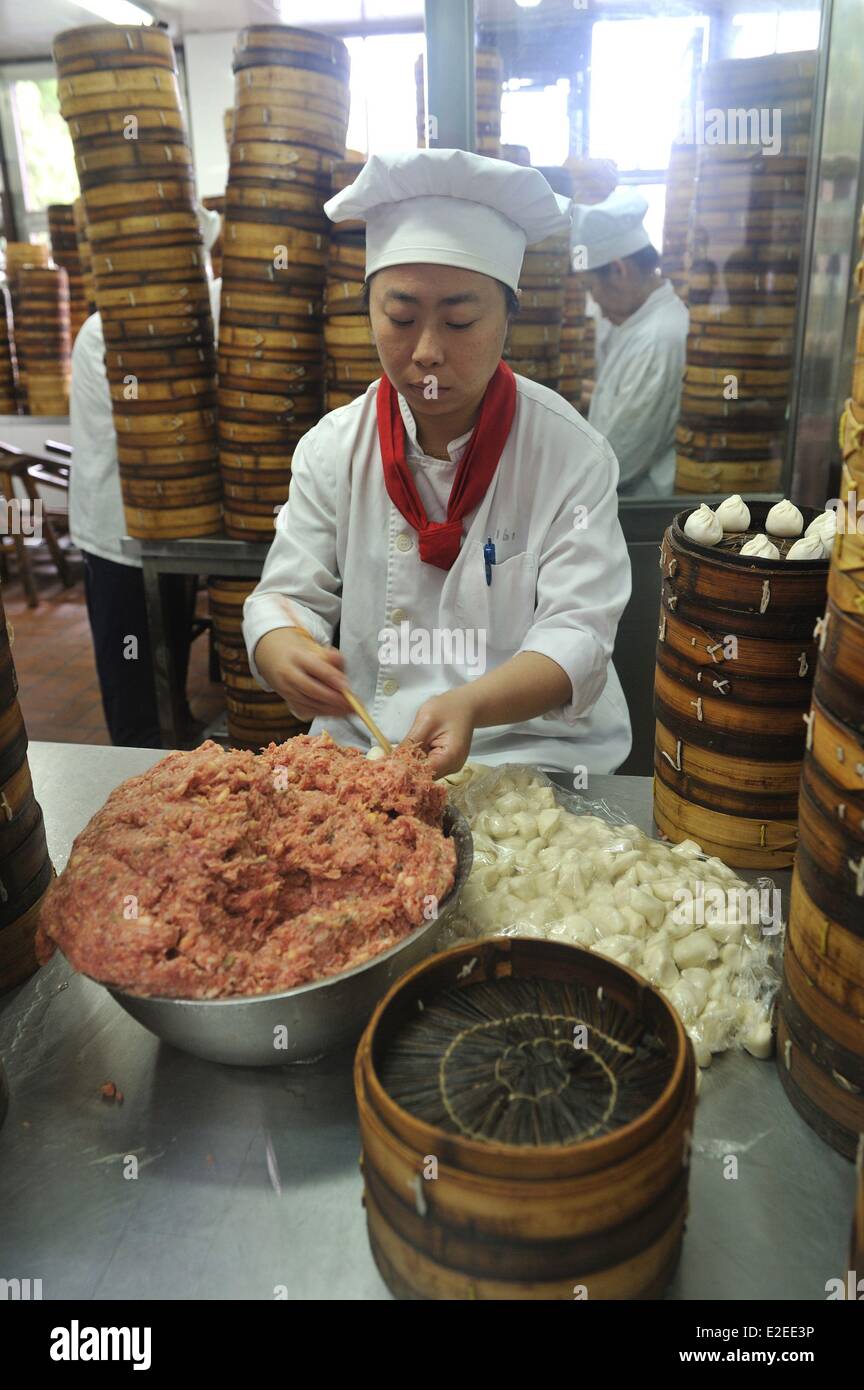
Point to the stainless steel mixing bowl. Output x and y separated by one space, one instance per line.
298 1025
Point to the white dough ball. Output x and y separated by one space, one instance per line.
696 949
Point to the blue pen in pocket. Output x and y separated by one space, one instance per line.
489 558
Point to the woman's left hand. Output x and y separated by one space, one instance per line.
444 726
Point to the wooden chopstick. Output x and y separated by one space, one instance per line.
358 708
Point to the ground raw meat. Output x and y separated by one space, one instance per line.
225 873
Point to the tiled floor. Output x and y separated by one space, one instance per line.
57 686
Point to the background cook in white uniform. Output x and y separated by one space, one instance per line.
640 359
558 587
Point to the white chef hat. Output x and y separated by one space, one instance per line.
209 225
450 207
609 230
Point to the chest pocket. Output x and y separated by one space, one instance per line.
504 608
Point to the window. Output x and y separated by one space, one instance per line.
537 117
45 153
641 74
383 92
780 31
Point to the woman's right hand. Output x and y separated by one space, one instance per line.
310 679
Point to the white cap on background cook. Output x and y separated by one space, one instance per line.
450 207
610 230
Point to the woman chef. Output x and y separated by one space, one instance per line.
457 523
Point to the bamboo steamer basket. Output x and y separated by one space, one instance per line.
840 677
25 253
522 1222
93 47
255 717
831 850
822 1075
730 730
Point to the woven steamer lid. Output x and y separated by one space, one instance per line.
93 47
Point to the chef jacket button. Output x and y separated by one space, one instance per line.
404 541
390 687
398 615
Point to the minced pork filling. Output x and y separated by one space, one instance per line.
227 873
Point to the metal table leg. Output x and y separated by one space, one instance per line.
168 696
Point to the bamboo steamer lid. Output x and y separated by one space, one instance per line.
556 1204
92 47
295 46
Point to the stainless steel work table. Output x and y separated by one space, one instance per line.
248 1179
217 555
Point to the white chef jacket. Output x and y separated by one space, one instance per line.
343 553
96 519
637 396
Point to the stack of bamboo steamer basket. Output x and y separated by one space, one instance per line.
290 122
8 378
256 717
85 253
743 261
601 1217
149 267
572 331
820 1052
352 359
735 663
533 347
680 192
40 314
488 78
25 867
64 249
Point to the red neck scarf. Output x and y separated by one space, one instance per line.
440 540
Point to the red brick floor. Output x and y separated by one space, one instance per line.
57 685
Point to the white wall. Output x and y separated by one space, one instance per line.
210 89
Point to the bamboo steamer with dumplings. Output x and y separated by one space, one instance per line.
25 866
734 676
256 717
525 1114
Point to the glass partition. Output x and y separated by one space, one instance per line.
685 360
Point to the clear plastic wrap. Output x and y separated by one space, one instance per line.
552 864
